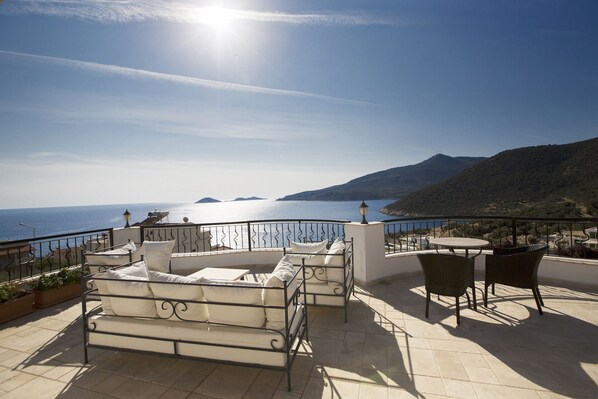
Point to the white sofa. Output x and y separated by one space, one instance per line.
329 274
259 324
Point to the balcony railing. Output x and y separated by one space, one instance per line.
22 259
571 237
247 235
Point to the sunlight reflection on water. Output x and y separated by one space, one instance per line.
269 209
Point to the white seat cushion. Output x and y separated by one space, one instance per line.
128 281
172 294
235 292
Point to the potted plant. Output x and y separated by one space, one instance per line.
15 301
57 287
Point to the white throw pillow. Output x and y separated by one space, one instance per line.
283 272
335 262
177 290
114 257
129 281
235 292
157 255
311 252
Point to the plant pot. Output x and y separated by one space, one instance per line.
44 299
16 308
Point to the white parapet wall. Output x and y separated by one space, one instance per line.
123 235
372 265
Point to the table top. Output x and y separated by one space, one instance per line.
220 273
459 242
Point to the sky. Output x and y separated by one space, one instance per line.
112 102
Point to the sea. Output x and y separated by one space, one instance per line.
26 223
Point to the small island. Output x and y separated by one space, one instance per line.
249 199
210 200
207 200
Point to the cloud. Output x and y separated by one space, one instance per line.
179 12
178 79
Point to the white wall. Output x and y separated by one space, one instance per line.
371 263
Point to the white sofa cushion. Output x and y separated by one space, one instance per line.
102 287
335 262
129 281
157 255
283 272
195 332
175 291
114 257
235 292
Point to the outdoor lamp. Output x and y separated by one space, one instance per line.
31 227
363 209
127 217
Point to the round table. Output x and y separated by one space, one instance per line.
460 243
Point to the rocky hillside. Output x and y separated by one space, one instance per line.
550 180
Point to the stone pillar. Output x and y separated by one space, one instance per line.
368 247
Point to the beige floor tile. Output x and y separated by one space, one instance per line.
218 383
473 360
329 388
111 384
172 393
268 381
12 379
487 391
39 388
137 389
74 392
370 391
459 389
483 375
450 366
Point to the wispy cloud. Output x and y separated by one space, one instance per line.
175 11
178 79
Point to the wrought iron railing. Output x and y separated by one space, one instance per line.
22 259
248 235
572 237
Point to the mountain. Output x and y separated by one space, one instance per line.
207 200
391 183
549 180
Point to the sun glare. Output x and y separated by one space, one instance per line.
216 17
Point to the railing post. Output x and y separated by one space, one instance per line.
249 235
111 237
514 227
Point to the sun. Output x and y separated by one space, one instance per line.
217 18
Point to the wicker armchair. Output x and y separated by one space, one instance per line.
448 275
515 267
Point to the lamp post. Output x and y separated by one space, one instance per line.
127 217
363 210
31 227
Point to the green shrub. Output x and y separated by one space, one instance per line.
64 277
9 291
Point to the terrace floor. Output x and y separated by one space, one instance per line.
386 350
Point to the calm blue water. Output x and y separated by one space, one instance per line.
49 221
